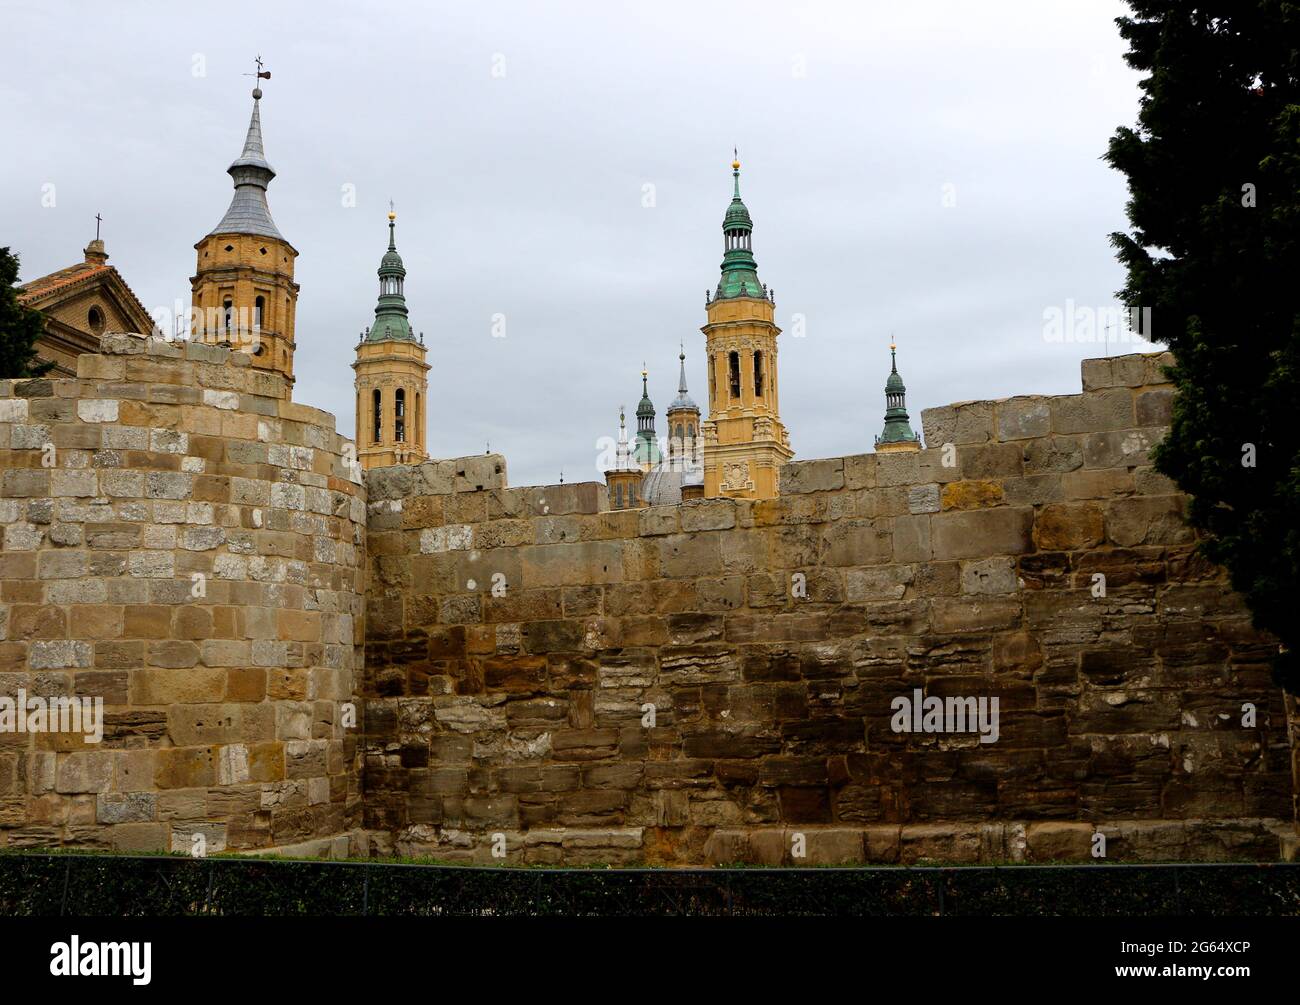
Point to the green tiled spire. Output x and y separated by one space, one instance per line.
897 428
739 270
391 321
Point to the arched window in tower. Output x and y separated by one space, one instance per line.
227 315
758 375
399 415
259 305
713 384
419 421
690 430
631 494
377 412
733 376
618 496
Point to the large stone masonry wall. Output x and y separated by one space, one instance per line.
185 544
516 638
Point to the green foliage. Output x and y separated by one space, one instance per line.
163 885
1214 180
20 326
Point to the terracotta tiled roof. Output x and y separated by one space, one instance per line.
57 280
75 275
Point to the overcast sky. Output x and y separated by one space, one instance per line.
930 169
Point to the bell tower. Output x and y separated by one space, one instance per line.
897 435
745 442
243 292
392 381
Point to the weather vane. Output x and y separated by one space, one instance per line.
260 74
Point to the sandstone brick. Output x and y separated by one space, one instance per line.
1147 520
979 533
856 542
965 422
923 499
812 476
1068 527
974 494
125 807
97 409
1023 418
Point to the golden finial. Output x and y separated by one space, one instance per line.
392 215
735 159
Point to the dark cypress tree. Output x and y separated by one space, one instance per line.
1214 251
20 326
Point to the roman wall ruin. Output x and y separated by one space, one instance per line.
424 661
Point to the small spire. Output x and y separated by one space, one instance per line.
392 222
735 170
623 451
681 381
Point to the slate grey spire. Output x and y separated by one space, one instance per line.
248 212
683 399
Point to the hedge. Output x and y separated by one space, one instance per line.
151 886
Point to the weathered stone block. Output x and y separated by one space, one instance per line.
1024 418
981 533
812 476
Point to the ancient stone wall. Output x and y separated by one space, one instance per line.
717 681
186 545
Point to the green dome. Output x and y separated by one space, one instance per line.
737 216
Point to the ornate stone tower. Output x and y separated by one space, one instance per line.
745 442
623 480
392 381
647 442
244 295
897 435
